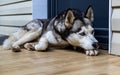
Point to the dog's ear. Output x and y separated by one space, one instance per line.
89 13
69 19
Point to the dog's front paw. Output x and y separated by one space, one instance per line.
16 48
40 48
29 46
92 52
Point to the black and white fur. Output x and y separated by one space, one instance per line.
70 27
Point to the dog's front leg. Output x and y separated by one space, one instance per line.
92 52
42 44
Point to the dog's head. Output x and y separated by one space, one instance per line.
75 27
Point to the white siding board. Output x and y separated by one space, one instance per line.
9 1
18 8
7 30
14 13
116 19
15 20
115 3
115 44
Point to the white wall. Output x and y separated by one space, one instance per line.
14 13
20 12
39 10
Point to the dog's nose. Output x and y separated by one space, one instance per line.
95 45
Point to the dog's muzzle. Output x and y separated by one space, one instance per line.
95 45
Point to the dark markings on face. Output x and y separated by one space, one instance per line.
86 30
79 21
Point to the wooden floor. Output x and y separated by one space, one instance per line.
57 62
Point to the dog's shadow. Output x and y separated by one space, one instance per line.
69 48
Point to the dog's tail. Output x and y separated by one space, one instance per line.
7 44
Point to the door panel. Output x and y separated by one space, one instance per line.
101 15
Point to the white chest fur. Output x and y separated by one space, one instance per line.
55 39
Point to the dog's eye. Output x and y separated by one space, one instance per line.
92 32
82 34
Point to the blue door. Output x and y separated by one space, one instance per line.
101 15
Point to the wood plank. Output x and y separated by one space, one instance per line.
115 3
57 62
7 30
115 44
24 7
15 20
116 19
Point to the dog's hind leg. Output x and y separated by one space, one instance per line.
42 44
29 36
7 44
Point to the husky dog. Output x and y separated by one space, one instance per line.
70 27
